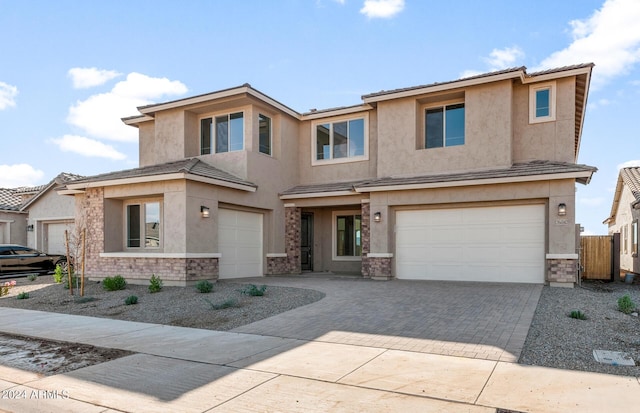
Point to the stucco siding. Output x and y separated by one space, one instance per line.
169 136
146 144
624 217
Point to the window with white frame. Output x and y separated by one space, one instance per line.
542 102
222 133
444 126
340 141
347 235
264 132
143 224
625 238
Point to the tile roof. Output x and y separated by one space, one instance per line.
9 201
631 177
534 168
37 191
193 166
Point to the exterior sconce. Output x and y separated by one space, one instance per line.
377 217
29 228
204 211
562 209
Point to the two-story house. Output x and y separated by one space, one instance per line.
472 180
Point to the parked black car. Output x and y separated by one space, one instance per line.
17 259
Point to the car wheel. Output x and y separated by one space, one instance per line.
64 265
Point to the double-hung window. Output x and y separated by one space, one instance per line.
347 238
264 131
444 126
223 133
634 238
542 102
143 220
340 141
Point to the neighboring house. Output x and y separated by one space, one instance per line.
472 180
50 214
13 222
625 212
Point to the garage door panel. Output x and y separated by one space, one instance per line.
239 243
472 244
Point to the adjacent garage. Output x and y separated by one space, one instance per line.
498 243
54 237
240 243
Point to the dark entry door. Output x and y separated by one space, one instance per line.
306 241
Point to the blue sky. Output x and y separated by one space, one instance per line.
69 70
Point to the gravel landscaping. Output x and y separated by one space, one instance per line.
557 340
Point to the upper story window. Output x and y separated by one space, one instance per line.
264 130
224 133
444 126
340 141
542 102
143 225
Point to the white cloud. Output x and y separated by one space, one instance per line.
504 58
470 73
14 176
7 95
635 162
84 78
609 38
382 8
99 115
88 147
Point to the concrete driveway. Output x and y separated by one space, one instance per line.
476 320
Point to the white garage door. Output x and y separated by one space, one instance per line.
502 244
54 233
240 243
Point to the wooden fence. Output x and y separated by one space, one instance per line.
596 257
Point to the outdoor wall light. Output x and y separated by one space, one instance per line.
377 217
562 209
29 228
204 211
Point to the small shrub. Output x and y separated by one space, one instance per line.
58 274
23 295
32 277
231 302
254 290
8 285
114 283
204 286
578 315
74 281
132 299
626 304
155 284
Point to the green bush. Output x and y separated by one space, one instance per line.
32 277
23 296
231 302
132 299
204 286
65 281
114 283
58 274
254 290
626 304
579 315
155 284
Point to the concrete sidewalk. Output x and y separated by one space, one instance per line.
190 370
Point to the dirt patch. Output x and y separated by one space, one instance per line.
49 357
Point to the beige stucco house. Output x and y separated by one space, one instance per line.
49 214
13 222
625 213
472 179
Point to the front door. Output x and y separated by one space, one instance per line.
306 241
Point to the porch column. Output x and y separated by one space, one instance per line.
365 224
292 221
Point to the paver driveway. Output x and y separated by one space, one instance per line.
477 320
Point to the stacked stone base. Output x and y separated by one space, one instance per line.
562 272
172 271
377 268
